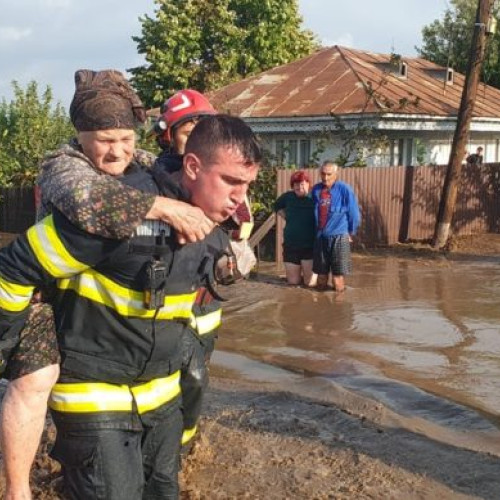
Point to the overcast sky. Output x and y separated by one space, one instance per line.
47 40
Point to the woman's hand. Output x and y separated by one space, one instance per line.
189 222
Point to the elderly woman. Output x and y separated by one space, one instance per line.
80 181
297 208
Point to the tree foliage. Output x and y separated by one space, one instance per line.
447 41
205 45
29 127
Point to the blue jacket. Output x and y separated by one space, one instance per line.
343 216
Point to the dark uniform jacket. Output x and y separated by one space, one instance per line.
104 331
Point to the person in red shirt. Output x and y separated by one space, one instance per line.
338 218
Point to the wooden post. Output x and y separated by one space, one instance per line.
464 118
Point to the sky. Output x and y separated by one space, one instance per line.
48 40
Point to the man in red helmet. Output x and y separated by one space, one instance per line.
179 115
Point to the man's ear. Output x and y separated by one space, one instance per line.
191 165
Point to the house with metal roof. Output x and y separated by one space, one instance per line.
361 108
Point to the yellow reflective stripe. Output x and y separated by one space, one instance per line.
14 297
192 321
51 252
157 392
208 322
245 230
98 288
188 434
100 397
93 397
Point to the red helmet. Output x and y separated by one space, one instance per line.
182 106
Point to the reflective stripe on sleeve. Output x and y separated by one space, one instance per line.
14 297
208 322
188 434
50 250
98 288
101 397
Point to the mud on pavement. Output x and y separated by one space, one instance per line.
264 443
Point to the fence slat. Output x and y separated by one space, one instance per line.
17 209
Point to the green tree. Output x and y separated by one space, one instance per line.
447 41
29 127
205 45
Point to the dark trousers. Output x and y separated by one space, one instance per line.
194 375
118 464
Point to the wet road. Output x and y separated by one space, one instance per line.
421 336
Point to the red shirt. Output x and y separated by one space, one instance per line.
325 200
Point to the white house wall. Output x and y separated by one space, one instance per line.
435 143
439 151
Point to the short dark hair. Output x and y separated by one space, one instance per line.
215 131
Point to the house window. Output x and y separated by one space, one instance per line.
409 152
401 149
305 152
280 151
293 152
405 152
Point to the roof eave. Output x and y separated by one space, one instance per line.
387 121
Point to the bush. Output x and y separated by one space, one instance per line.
29 127
263 193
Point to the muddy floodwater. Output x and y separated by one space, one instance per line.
421 337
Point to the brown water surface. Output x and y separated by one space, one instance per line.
420 336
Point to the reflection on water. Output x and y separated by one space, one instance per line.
431 324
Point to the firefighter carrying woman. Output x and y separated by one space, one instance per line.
107 215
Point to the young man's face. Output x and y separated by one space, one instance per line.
301 188
328 175
220 186
109 150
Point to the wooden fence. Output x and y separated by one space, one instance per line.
397 203
17 209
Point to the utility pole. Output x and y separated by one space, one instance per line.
464 118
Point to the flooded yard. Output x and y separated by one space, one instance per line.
389 390
420 336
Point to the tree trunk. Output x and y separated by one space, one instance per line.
461 136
